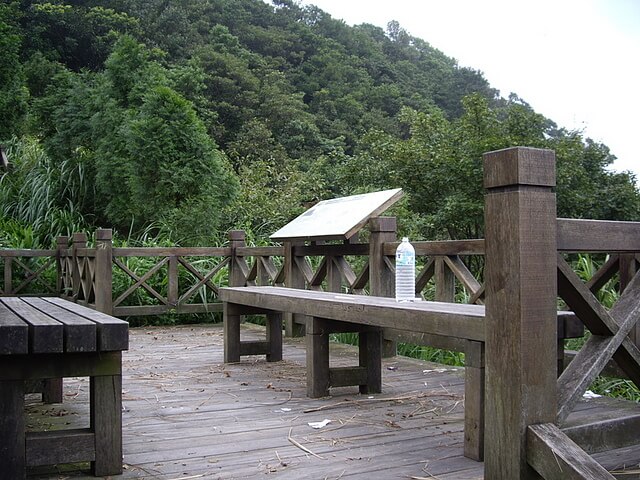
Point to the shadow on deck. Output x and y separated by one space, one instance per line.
189 416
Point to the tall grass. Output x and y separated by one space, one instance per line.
40 194
421 352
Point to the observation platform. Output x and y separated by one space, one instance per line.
187 415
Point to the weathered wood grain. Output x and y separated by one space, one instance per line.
12 429
186 414
317 359
316 250
609 430
556 457
521 317
474 400
15 333
296 272
80 333
442 247
576 235
46 334
445 281
103 278
106 423
112 333
68 446
438 318
171 251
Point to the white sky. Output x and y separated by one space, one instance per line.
576 62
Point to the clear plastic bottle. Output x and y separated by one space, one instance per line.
405 272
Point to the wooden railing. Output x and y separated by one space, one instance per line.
28 272
525 271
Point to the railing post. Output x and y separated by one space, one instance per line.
628 270
172 281
381 279
445 281
62 243
236 276
521 282
79 240
294 278
8 275
333 278
103 280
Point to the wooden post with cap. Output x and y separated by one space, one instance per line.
521 283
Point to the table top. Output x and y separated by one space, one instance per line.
40 325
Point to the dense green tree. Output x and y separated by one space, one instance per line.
438 162
79 36
13 92
144 112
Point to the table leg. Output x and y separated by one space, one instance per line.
231 319
52 390
12 435
106 423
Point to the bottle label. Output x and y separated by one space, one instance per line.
405 258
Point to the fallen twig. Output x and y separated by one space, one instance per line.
378 400
302 447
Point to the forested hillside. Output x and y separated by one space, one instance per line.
184 119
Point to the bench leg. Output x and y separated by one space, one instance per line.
560 353
106 423
317 359
52 390
12 435
371 358
474 401
274 336
231 319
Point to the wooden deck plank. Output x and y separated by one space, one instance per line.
187 414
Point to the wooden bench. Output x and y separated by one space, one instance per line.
452 324
45 338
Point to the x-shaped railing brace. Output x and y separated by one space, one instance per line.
609 337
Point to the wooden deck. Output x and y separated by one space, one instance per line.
189 416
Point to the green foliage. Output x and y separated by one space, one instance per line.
39 195
194 117
617 388
438 162
430 354
13 92
77 35
176 176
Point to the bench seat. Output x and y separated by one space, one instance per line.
48 338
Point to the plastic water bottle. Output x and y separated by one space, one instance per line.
405 272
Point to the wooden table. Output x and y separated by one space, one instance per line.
45 338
